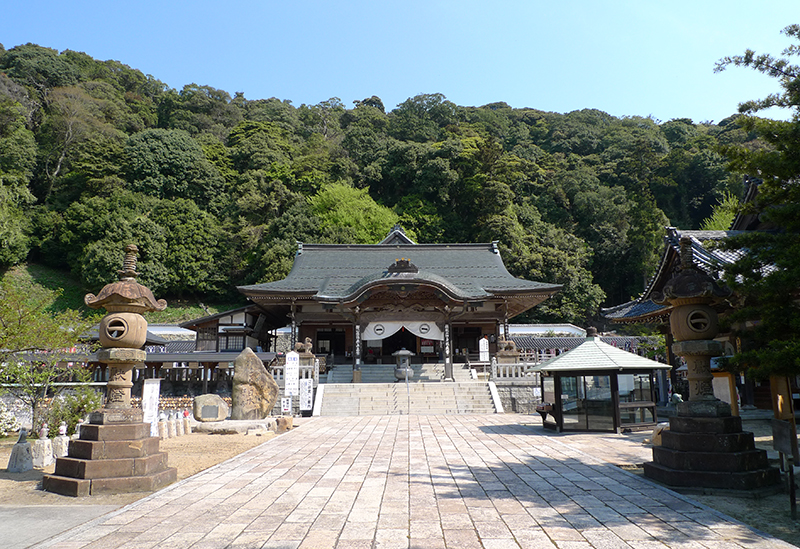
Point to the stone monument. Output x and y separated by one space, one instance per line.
115 452
255 392
705 446
209 407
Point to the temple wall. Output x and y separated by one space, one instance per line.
520 397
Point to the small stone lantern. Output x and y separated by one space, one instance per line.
402 369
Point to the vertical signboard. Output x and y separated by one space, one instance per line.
291 374
306 394
286 405
483 349
150 394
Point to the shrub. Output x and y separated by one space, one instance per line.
8 421
71 408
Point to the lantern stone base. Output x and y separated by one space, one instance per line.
111 458
109 416
710 452
704 408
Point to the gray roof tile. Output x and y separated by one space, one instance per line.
467 271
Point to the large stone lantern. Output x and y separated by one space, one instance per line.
693 321
115 452
705 446
123 332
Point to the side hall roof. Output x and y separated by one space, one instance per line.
708 258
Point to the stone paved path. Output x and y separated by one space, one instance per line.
420 482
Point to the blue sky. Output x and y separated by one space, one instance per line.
642 57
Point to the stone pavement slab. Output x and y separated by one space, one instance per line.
487 481
36 523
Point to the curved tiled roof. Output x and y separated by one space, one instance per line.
335 272
708 258
635 309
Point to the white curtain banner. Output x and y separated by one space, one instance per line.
382 330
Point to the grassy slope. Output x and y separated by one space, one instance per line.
73 292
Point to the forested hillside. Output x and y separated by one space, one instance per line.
216 189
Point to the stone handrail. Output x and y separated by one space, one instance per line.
513 371
306 372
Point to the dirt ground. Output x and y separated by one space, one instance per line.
196 452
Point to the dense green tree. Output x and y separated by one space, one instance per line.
266 221
322 118
767 276
180 243
73 118
17 162
347 215
424 117
39 68
106 148
260 145
199 109
723 214
170 164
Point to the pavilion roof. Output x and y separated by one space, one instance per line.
593 354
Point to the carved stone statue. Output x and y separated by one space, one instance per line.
507 351
304 347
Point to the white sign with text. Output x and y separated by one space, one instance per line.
306 394
150 394
483 348
291 374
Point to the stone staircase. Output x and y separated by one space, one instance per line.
384 373
360 399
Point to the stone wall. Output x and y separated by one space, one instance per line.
520 397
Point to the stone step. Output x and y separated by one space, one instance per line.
397 398
384 373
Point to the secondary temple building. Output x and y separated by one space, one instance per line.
361 303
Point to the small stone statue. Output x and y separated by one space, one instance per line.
21 458
61 442
42 449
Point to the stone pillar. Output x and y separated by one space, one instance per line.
357 345
448 353
293 332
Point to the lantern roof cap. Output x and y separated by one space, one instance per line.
126 295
